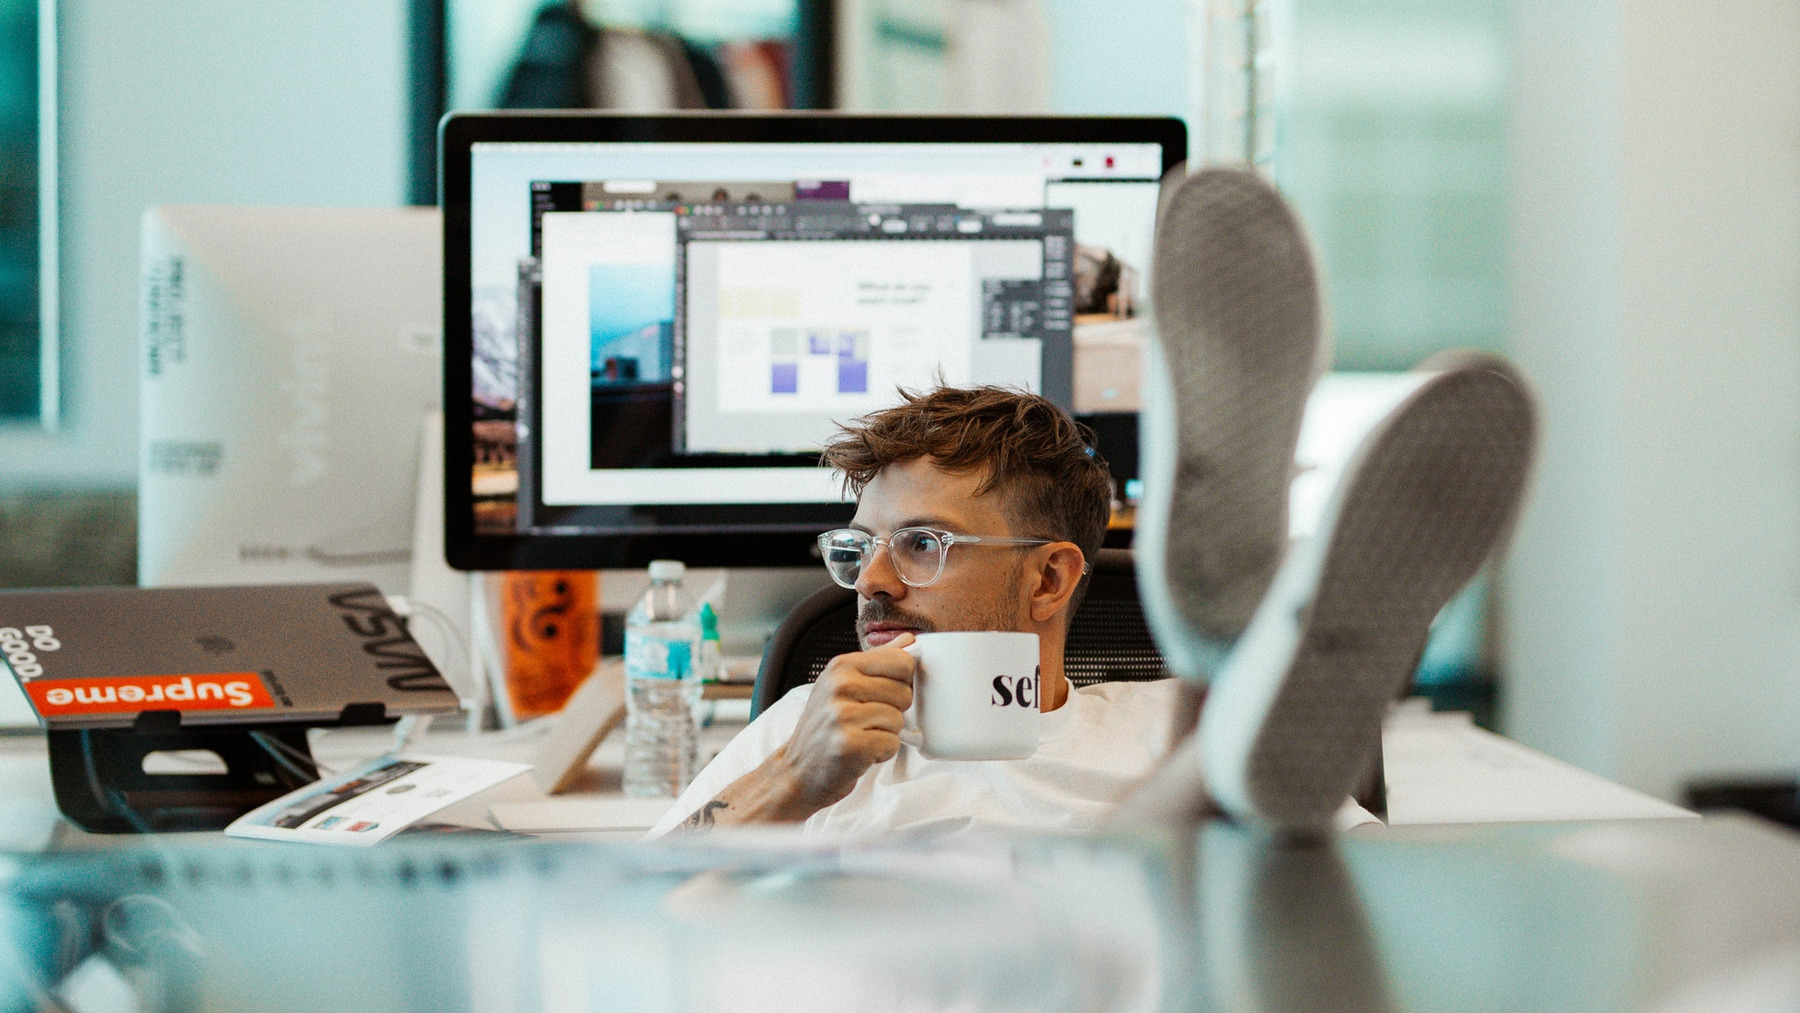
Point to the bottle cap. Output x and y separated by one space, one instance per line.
667 569
709 622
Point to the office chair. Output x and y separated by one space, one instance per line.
1108 642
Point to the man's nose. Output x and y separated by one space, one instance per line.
878 576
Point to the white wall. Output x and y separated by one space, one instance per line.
1652 608
1119 57
203 102
1104 57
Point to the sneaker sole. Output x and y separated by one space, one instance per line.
1294 719
1237 348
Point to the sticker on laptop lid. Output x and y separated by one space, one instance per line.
212 691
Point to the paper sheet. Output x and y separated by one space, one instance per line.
375 800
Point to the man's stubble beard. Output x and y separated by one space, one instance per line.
999 613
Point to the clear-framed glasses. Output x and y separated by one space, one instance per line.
917 554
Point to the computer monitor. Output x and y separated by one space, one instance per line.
289 357
653 323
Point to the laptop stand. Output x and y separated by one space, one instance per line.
101 786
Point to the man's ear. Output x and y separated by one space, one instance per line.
1059 572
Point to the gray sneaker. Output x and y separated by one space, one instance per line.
1293 719
1237 347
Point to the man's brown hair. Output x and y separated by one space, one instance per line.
1051 481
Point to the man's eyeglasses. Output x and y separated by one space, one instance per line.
917 554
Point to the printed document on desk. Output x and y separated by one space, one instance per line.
376 800
1440 768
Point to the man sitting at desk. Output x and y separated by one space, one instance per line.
1302 649
1012 469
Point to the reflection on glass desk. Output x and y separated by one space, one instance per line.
1664 914
1634 913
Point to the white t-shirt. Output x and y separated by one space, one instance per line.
1091 751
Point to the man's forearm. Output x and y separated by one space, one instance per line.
768 794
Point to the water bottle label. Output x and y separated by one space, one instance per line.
655 658
681 659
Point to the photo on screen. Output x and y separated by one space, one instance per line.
1114 236
631 322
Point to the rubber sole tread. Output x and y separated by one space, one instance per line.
1238 320
1434 494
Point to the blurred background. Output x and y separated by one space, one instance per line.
1608 192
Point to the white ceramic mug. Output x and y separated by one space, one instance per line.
976 695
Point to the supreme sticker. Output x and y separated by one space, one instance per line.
130 694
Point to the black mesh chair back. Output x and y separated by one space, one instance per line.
1109 641
1108 638
818 629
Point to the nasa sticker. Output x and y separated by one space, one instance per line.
22 648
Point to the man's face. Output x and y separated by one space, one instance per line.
980 588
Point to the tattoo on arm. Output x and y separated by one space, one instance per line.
703 817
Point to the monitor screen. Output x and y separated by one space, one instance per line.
663 319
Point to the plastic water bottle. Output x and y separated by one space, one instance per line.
662 685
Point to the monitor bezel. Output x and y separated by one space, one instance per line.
467 549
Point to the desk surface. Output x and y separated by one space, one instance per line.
29 820
1628 915
1440 769
1625 914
